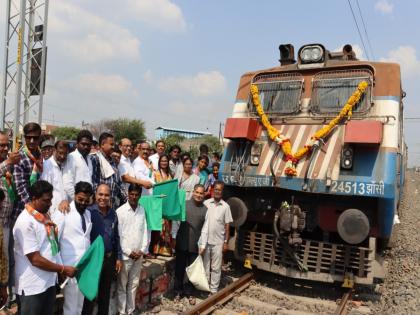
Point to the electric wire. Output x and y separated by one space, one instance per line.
358 30
366 32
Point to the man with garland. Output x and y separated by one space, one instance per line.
29 169
37 254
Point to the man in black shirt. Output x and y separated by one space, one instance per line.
191 238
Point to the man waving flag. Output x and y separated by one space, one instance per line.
89 269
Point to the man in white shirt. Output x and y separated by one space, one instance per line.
56 171
37 258
74 239
160 150
78 160
133 233
142 168
175 163
125 167
219 217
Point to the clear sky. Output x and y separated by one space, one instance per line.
177 63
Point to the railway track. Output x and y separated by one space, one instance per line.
343 305
246 296
217 300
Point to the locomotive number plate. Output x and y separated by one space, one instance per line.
356 188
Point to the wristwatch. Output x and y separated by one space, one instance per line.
225 241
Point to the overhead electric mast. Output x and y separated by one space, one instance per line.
24 64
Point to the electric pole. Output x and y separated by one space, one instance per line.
24 64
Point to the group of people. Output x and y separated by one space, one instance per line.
55 203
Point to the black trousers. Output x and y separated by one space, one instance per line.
38 304
183 260
104 292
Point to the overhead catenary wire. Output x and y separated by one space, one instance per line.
358 30
366 32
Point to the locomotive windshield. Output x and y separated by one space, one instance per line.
331 90
279 93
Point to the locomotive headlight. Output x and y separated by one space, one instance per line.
309 54
256 153
347 157
305 55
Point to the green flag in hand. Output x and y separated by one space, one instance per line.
89 269
169 189
181 215
153 208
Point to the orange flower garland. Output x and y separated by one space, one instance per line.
292 159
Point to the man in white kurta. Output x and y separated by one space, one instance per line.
142 168
56 171
78 160
74 240
133 233
126 169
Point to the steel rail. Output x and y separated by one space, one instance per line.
216 300
342 307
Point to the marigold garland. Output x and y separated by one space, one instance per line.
292 159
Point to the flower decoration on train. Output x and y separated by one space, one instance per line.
292 159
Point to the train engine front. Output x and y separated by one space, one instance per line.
314 164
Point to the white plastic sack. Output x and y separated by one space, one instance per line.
197 275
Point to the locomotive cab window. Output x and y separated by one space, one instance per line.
331 90
279 93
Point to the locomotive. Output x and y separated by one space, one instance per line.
313 165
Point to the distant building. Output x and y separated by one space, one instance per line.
48 129
163 132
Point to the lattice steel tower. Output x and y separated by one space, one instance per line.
24 63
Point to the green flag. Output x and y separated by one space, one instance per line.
182 199
89 269
153 208
169 189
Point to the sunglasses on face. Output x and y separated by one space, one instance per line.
31 137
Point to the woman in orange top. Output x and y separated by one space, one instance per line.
161 242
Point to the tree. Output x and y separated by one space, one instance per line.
65 133
173 139
212 142
97 127
191 145
132 129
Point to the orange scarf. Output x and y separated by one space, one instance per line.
37 168
50 227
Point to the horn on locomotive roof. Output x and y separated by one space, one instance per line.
287 54
349 53
346 54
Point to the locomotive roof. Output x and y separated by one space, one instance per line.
387 76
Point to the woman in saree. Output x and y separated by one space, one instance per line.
187 180
161 241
